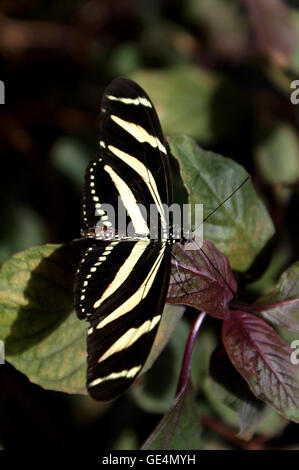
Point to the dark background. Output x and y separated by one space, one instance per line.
55 60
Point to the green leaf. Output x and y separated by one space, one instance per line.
277 155
193 101
43 337
180 428
239 228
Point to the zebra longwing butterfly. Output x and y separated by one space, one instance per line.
122 280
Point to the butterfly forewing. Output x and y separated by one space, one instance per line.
131 131
121 283
133 160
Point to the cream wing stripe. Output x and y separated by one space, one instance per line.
116 375
124 272
140 294
130 337
136 101
129 202
145 174
139 133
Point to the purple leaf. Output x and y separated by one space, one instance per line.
201 278
264 360
281 306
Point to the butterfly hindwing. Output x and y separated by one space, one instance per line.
125 306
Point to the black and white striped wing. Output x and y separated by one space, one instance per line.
121 284
133 164
121 289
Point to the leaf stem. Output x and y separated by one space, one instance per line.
186 363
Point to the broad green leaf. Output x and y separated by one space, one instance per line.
190 100
264 361
241 227
180 428
43 337
281 305
277 155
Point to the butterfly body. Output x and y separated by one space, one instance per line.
122 279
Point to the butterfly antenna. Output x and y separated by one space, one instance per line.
226 199
213 211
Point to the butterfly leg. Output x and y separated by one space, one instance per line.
181 282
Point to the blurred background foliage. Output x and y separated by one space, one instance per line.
217 70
